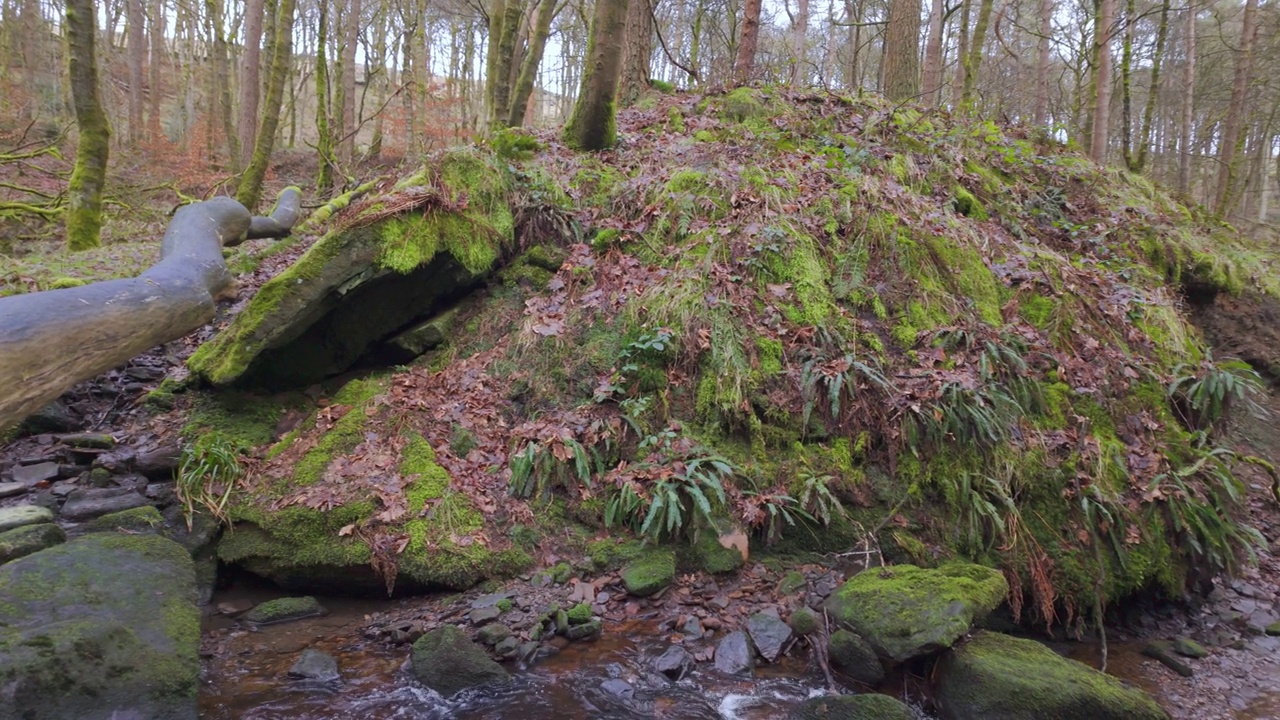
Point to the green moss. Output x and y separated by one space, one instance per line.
713 557
346 433
966 204
143 519
579 614
505 604
431 481
650 572
241 420
609 553
741 105
704 136
1036 309
675 121
283 609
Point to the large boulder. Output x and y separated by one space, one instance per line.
867 706
998 677
394 260
101 627
447 661
904 611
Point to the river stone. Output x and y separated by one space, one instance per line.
494 633
1187 647
589 629
733 654
88 503
28 539
20 515
998 677
866 706
35 474
650 573
52 418
618 688
102 627
317 666
283 610
447 661
905 611
769 634
803 621
855 657
144 519
483 615
675 663
91 441
9 489
1164 651
363 283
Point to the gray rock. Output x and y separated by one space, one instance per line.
508 647
28 539
52 418
1164 651
91 441
490 600
88 503
855 657
733 654
317 666
865 706
10 489
158 463
692 628
35 474
447 661
483 615
101 627
618 688
494 633
19 515
586 630
675 663
998 677
769 634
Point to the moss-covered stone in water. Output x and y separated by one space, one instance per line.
997 677
864 706
649 573
447 661
284 609
579 614
138 520
904 611
78 639
29 539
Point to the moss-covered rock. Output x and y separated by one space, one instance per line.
431 237
136 520
855 657
905 611
28 539
866 706
20 515
998 677
283 610
80 639
803 621
711 556
447 661
650 572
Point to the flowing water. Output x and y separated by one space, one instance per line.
245 678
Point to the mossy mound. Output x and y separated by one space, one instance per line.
650 573
904 611
867 706
997 677
80 639
283 610
386 262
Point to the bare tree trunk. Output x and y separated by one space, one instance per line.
137 51
636 53
346 133
1188 103
1232 135
157 59
84 192
1153 92
799 37
933 57
51 340
745 62
532 60
250 78
221 96
1041 112
1102 80
591 127
1126 86
962 45
500 80
250 189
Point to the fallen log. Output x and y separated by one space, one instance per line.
51 340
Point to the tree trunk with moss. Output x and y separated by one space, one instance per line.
972 60
84 194
221 90
1232 147
250 78
1100 123
532 61
49 341
324 141
592 125
500 80
250 189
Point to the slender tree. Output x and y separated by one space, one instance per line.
592 125
324 138
901 68
971 61
137 52
1188 101
547 10
84 193
250 77
1101 116
933 56
799 39
1227 194
1041 112
500 80
745 63
1139 162
250 190
639 46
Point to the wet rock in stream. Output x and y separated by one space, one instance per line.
734 655
866 706
284 610
447 661
769 634
675 663
315 666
